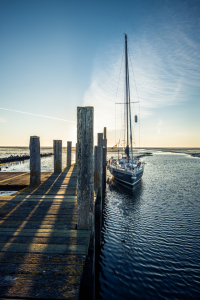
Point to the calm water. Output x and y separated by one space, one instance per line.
151 237
47 163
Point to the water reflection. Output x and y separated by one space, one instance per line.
116 233
150 236
135 191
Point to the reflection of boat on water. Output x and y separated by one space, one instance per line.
127 171
113 185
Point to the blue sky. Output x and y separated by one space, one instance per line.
57 55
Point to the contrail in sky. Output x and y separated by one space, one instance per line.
27 113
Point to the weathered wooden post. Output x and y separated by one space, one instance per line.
100 144
104 159
76 154
104 171
34 160
105 137
100 139
85 194
85 168
69 154
98 166
98 157
57 149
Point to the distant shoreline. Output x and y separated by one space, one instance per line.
186 151
115 148
194 152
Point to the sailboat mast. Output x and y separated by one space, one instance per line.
126 91
127 100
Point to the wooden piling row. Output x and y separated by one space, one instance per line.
35 164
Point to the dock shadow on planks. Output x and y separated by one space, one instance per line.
41 253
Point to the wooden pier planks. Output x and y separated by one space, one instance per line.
16 180
41 252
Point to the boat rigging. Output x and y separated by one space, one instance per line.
127 170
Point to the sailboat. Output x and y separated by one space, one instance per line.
127 170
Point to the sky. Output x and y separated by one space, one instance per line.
57 55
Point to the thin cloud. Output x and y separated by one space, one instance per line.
166 72
27 113
3 120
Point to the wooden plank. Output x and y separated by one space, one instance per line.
21 178
28 196
5 238
66 173
17 223
44 188
43 248
42 258
5 176
37 269
46 286
45 226
52 232
36 217
51 212
60 191
43 202
50 208
40 219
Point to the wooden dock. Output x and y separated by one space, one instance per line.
42 253
13 181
